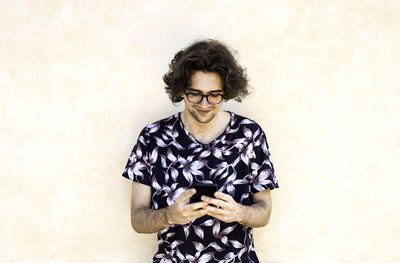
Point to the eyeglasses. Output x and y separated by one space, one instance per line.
196 98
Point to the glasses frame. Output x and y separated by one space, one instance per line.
204 96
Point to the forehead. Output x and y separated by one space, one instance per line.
206 81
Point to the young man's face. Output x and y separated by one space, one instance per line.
205 84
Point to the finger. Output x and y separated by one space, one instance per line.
214 201
186 195
214 210
223 196
217 216
197 213
195 206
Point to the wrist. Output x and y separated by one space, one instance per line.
242 214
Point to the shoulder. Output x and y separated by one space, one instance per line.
241 121
160 126
248 127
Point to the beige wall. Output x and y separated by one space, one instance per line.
79 79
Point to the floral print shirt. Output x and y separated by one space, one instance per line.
170 160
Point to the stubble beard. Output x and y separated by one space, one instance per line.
199 119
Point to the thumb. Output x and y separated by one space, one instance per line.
186 195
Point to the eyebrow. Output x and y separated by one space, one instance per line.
199 91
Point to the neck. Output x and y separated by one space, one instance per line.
195 127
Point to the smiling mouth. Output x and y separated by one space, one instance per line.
203 111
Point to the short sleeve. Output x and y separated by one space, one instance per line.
262 170
138 166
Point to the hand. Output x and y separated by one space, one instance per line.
225 208
181 212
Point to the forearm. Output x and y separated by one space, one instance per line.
256 215
147 220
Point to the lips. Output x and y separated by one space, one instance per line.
203 112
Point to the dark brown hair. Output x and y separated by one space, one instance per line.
207 56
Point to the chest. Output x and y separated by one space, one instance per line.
175 169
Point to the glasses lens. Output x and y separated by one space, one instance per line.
194 98
214 98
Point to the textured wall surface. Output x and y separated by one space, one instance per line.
79 79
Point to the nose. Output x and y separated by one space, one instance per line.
203 103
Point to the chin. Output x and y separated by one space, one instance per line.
203 119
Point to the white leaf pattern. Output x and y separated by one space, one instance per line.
224 240
174 173
180 255
163 162
139 153
188 176
176 243
160 142
216 228
205 258
209 222
236 244
171 156
231 189
153 127
216 246
199 231
229 255
217 153
186 230
177 145
227 230
204 154
190 258
199 246
241 252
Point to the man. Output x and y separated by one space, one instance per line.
202 144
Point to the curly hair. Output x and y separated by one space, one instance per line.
207 56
